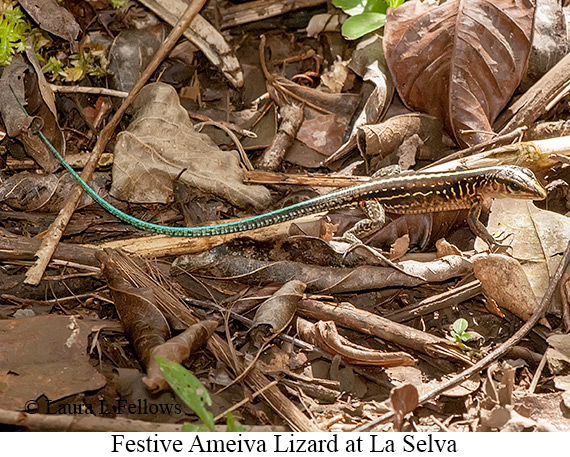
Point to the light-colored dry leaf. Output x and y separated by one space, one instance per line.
443 248
275 313
537 237
400 247
161 144
504 280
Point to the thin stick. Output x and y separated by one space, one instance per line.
55 232
537 374
497 353
88 90
245 401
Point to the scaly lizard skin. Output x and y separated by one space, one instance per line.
407 194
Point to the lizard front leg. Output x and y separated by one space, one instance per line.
375 219
480 230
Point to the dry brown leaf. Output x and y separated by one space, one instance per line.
400 247
21 78
404 400
323 132
52 17
161 144
145 326
378 141
131 52
506 419
445 248
504 280
275 313
44 355
176 349
460 61
45 193
537 237
325 335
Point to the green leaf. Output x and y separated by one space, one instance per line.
353 7
195 428
348 4
395 3
118 3
465 337
189 389
13 30
53 66
460 325
356 26
232 426
376 6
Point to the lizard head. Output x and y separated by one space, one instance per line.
511 181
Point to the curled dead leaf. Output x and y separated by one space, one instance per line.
176 349
145 326
275 313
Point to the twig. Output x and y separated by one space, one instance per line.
245 401
55 232
497 353
261 9
491 143
229 125
242 154
437 302
88 90
292 117
537 374
565 299
72 423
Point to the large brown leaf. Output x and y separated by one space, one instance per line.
460 61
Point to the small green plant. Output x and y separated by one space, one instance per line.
459 331
117 4
365 15
90 60
192 392
54 66
15 29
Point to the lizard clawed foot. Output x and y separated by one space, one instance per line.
496 246
351 239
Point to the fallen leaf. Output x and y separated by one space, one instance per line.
323 132
505 281
145 326
52 17
325 335
44 355
275 313
546 409
176 349
459 61
404 400
537 238
506 419
161 144
558 354
19 79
